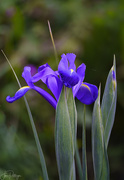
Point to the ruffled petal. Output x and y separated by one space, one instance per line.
43 67
46 95
81 73
21 92
69 77
27 76
63 64
43 74
55 85
87 93
71 58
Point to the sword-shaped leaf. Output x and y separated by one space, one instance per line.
64 139
100 159
108 106
73 119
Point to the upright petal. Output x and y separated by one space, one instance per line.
21 92
81 73
71 58
63 65
87 93
27 75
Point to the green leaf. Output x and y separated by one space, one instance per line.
64 139
72 113
108 106
73 120
100 159
105 166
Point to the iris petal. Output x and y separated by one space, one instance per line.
55 85
81 73
46 95
21 92
87 93
63 65
69 78
43 66
27 75
43 74
50 78
71 58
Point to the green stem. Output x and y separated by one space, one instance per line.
84 158
78 162
42 160
52 39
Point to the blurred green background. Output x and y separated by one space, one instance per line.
94 31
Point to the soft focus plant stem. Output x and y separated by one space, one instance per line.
51 35
78 162
84 158
42 160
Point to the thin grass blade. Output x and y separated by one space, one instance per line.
42 159
52 39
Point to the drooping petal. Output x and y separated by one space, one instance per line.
21 92
87 93
63 64
46 95
27 75
71 58
55 85
81 73
69 77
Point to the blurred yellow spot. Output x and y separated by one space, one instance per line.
72 70
114 84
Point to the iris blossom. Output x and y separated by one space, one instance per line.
66 75
21 92
85 92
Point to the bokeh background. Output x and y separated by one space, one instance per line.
94 31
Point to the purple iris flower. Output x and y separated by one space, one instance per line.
85 92
66 75
21 92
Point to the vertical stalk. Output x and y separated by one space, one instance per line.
84 158
52 39
78 162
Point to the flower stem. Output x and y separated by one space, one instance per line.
84 158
